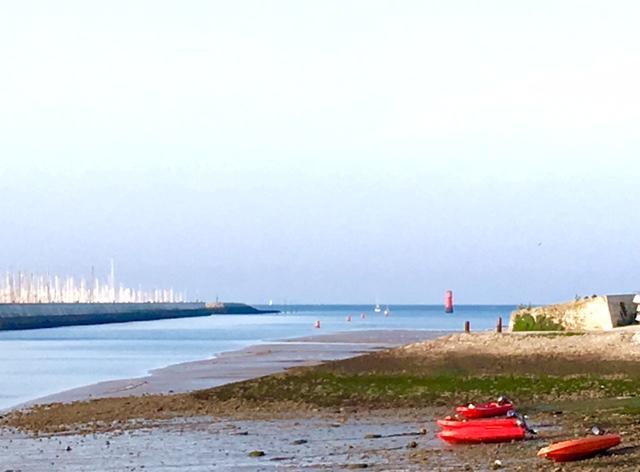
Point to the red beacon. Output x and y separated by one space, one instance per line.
448 301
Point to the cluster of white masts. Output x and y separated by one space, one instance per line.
20 287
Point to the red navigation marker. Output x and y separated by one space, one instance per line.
448 302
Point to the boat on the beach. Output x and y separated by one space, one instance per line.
485 410
576 449
452 423
479 435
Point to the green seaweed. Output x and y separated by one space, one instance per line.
552 334
525 321
331 389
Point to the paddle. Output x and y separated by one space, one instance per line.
523 421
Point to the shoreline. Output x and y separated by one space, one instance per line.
256 360
375 411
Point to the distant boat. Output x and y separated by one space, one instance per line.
387 312
377 309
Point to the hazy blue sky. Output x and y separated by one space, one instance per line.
334 151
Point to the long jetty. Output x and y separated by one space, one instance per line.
19 316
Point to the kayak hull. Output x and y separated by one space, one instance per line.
577 449
484 410
480 423
479 435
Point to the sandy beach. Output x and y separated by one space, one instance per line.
244 364
376 410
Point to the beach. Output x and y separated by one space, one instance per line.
291 235
243 364
375 410
40 363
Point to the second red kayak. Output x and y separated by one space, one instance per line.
449 423
477 435
484 410
582 448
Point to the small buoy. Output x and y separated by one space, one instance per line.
349 318
317 325
363 316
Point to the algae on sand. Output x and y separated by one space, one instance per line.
408 390
525 321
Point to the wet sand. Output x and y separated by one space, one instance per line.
372 415
244 364
398 440
203 444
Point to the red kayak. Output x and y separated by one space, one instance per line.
449 423
477 435
484 410
577 449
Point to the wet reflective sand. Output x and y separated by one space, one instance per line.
203 444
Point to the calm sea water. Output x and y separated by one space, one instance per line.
40 362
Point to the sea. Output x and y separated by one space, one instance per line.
35 363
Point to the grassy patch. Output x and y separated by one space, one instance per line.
330 389
559 333
525 321
608 395
606 407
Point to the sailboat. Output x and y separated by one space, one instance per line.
377 309
387 311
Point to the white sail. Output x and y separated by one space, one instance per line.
20 287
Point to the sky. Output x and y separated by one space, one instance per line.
325 152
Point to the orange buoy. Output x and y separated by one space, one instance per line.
317 325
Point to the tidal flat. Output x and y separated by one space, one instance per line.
377 410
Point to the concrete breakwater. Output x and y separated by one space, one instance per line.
16 316
589 313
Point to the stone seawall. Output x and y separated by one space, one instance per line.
594 313
15 316
8 310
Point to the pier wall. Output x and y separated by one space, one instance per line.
588 314
14 316
64 309
623 309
